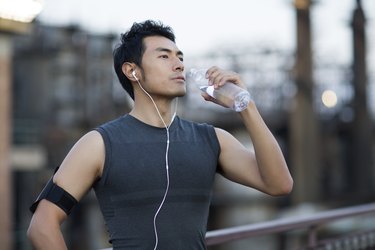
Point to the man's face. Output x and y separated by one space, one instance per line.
163 67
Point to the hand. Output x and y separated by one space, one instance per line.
218 77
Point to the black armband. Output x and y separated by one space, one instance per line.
56 195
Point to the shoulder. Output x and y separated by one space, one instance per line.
89 146
84 161
113 123
196 125
202 132
225 138
90 141
221 132
203 129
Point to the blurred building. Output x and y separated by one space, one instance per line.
63 87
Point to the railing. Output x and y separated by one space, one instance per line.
363 240
310 222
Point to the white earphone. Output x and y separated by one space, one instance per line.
133 74
166 158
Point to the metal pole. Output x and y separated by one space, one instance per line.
304 134
312 241
361 165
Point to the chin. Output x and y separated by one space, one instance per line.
181 94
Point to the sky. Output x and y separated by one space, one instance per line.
202 25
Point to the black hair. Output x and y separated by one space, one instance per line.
131 47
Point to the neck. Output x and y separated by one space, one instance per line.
160 117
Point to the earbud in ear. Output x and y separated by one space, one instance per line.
133 73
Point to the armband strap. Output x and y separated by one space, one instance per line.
56 195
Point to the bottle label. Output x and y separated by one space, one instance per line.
210 90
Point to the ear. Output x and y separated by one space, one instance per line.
127 69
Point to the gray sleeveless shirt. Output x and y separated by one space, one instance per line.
134 181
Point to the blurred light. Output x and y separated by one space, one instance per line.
20 10
329 98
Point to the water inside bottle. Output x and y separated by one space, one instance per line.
241 101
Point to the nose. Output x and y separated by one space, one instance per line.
179 65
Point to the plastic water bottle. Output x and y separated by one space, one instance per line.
229 95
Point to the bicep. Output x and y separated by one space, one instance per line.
82 166
236 162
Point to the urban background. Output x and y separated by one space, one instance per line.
57 83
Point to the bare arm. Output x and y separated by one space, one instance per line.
44 231
79 170
264 169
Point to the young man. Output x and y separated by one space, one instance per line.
153 172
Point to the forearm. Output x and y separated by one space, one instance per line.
44 231
270 160
46 238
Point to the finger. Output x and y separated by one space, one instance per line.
207 97
215 76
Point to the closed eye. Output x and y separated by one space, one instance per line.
166 57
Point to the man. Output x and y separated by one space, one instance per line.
153 172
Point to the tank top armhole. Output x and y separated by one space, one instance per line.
213 140
107 159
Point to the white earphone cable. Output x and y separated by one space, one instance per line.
166 159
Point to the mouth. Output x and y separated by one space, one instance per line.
179 78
